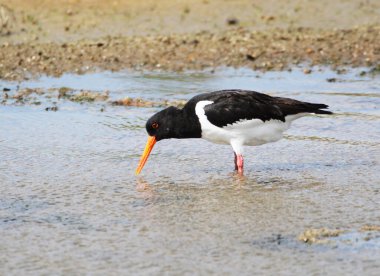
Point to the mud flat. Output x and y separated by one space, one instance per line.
83 36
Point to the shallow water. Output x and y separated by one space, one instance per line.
70 202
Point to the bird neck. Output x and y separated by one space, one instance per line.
187 125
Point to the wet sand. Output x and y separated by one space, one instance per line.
83 36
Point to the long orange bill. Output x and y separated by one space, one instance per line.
148 148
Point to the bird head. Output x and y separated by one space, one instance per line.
162 125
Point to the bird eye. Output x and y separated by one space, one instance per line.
155 125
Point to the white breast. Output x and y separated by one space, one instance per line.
245 132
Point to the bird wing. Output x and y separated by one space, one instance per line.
231 106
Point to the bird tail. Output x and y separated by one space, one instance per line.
292 107
318 108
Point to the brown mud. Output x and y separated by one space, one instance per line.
327 236
34 96
45 37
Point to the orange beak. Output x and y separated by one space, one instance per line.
144 157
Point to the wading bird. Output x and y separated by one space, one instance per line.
234 117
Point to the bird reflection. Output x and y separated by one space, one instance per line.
142 185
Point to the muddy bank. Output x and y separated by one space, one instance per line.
81 36
36 96
70 20
259 50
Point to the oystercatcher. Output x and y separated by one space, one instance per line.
235 117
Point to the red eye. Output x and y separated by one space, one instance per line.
155 125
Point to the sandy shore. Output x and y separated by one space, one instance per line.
47 37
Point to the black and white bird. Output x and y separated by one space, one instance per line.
234 117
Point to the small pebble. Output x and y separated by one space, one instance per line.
232 21
307 71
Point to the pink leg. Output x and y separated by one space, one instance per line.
240 163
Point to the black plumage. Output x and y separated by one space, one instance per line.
230 106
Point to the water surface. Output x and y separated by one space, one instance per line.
70 202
